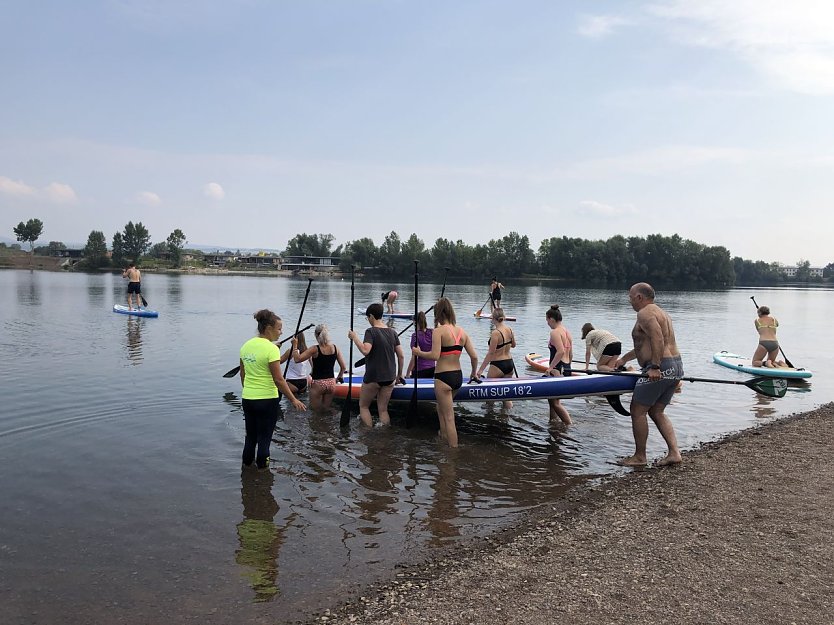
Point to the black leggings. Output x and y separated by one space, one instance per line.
261 415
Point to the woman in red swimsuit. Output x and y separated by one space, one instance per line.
447 343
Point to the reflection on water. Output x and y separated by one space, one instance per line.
28 287
444 505
338 507
134 339
259 537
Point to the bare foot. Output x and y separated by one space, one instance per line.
633 461
669 460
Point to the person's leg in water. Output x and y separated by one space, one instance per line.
382 399
366 396
558 411
446 412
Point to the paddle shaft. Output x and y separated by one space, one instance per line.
787 362
298 325
361 361
344 421
752 383
412 406
232 372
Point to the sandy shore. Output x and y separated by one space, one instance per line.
741 532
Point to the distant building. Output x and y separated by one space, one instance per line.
65 253
219 259
310 263
790 271
259 261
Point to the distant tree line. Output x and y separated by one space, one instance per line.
618 260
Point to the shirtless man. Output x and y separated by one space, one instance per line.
659 358
134 278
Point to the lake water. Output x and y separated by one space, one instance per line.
120 443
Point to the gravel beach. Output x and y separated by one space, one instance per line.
741 532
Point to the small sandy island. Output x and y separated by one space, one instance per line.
741 532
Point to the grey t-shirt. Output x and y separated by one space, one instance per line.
381 361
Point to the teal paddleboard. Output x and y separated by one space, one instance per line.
740 363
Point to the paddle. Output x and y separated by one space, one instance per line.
361 361
144 301
233 372
771 387
412 406
298 325
787 362
478 312
348 405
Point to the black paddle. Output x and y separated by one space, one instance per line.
361 361
348 405
144 301
787 362
478 312
771 387
298 325
233 372
412 406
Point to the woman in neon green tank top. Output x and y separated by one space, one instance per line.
260 374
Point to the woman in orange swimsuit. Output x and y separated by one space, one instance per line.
447 343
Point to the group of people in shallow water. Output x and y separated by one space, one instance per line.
436 353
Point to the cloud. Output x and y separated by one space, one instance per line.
600 26
60 193
148 198
214 191
606 210
56 192
16 188
791 43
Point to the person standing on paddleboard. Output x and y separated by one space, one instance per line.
260 374
388 298
134 286
495 293
657 353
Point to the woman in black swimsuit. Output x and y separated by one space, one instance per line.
324 357
498 356
447 343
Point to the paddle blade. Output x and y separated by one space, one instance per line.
345 420
617 405
232 372
359 362
772 387
144 301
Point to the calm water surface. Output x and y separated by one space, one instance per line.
120 443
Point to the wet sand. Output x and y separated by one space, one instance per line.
741 532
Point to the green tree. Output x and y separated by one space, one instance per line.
118 249
309 245
803 270
361 253
95 252
136 240
175 242
29 232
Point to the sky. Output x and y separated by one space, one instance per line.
246 122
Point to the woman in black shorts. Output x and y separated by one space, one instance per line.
447 343
383 365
